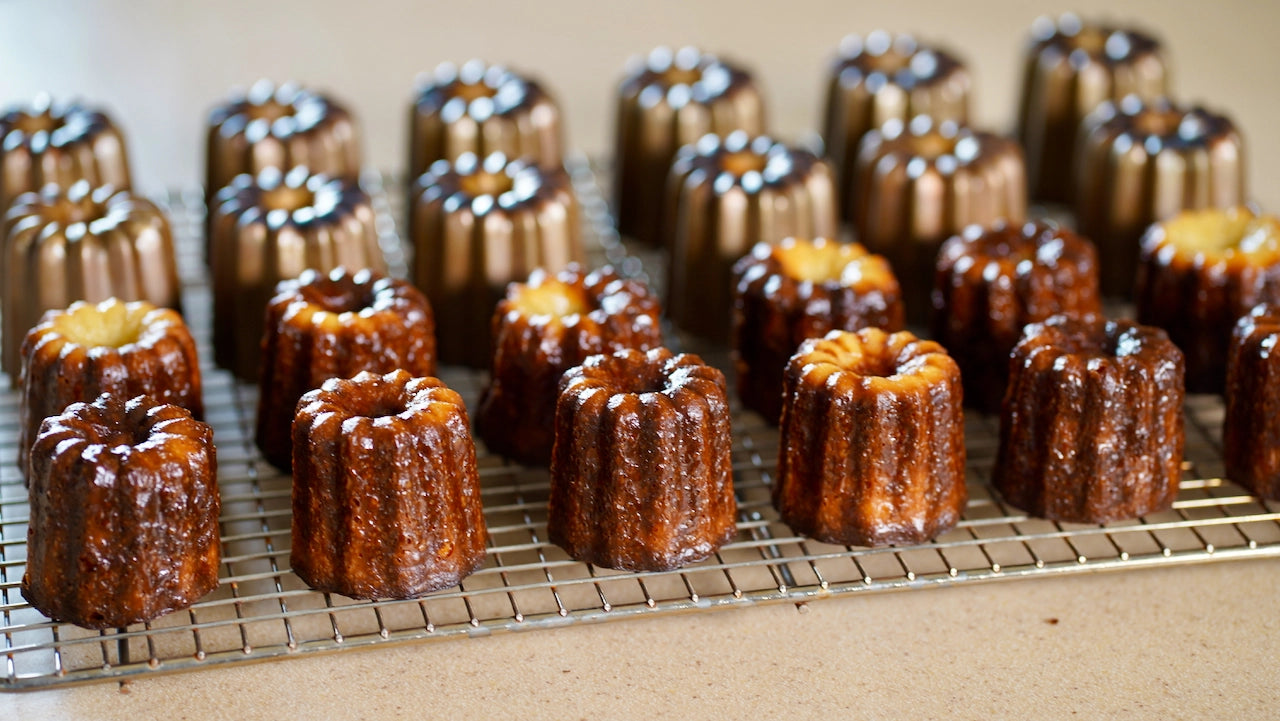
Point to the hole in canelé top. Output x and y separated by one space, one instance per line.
338 297
112 324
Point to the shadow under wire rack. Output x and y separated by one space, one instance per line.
262 611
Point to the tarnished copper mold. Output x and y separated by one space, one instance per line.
1072 67
478 224
727 194
883 77
270 227
667 100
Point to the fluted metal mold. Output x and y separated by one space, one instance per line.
279 126
1092 425
81 243
666 101
1251 426
872 440
919 183
992 282
726 195
477 225
1071 67
58 143
883 77
482 109
1198 273
269 227
1144 162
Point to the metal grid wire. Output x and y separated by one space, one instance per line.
262 611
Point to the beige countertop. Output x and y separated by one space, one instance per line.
1177 642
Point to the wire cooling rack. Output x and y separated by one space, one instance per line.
263 611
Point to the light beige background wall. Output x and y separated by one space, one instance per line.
161 64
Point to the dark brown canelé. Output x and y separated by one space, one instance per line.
126 349
727 194
641 475
386 494
852 472
991 282
270 227
882 77
666 101
543 328
1251 426
334 326
61 245
1139 163
796 290
1092 427
478 224
1198 273
124 513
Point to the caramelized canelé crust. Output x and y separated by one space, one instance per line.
545 327
872 449
800 289
126 349
1251 427
991 282
386 495
124 513
1092 427
641 475
334 326
1198 274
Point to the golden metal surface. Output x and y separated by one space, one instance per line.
1071 68
883 77
284 126
482 109
58 143
477 225
1144 162
668 100
918 184
726 195
271 227
81 243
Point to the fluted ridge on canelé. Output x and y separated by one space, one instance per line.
796 290
1198 273
1251 426
321 326
641 472
124 513
1092 425
992 282
61 245
126 349
386 493
872 449
535 342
